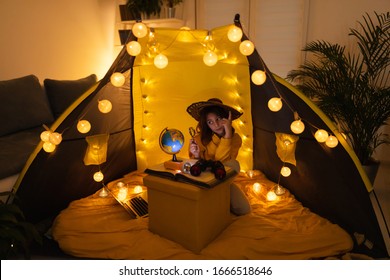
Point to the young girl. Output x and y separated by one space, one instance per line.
215 138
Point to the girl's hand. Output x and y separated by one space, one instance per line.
227 124
194 148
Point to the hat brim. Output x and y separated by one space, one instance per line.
195 108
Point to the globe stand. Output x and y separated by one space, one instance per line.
175 164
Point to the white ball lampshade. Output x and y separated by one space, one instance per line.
98 176
140 30
285 171
45 136
258 77
49 147
332 141
117 79
133 48
105 106
160 61
55 138
297 126
275 104
210 58
256 187
137 189
321 135
247 47
234 34
83 126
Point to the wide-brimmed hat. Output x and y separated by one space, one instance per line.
195 108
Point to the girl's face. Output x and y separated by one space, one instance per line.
214 122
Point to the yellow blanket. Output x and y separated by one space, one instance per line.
100 228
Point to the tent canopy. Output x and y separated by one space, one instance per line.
329 181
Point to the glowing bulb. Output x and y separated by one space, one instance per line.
275 104
138 189
104 106
45 136
271 196
122 194
139 30
279 190
49 147
160 61
234 34
133 48
256 187
331 141
258 77
285 171
250 173
247 47
210 58
98 176
321 135
117 79
55 138
83 126
297 126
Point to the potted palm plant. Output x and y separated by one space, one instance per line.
352 88
145 8
171 5
16 234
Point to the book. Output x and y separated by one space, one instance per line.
206 179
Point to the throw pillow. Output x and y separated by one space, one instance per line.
62 93
23 105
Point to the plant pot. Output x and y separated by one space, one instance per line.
371 170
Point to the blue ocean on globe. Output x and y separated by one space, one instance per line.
172 141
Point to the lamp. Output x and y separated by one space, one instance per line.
117 79
133 48
97 149
258 77
234 34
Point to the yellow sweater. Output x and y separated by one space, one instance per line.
221 149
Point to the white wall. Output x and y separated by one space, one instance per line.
56 39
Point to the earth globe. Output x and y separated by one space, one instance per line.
171 142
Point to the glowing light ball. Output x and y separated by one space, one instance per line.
247 47
45 136
140 30
83 126
98 176
137 189
250 173
133 48
275 104
160 61
105 106
256 187
258 77
271 196
55 138
321 135
49 147
122 194
331 141
210 58
285 171
297 126
117 79
234 34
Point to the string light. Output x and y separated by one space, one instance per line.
331 141
133 48
55 138
275 104
140 30
83 126
105 106
234 34
210 58
98 176
160 61
258 77
117 79
247 47
321 135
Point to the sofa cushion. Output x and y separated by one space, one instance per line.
62 93
23 105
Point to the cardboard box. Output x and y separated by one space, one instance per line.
187 214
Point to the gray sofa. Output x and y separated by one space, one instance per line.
25 105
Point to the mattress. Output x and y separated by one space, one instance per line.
277 228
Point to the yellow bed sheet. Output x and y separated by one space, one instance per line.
100 228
